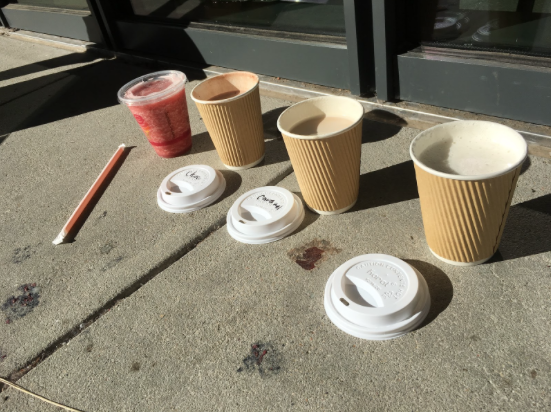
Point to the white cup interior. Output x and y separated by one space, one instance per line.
241 82
466 150
319 108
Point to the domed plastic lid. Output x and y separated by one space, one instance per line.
264 215
264 210
376 297
190 188
152 87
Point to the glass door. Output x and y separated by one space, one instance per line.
510 26
325 17
299 40
491 56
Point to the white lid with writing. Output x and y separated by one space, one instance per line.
190 188
264 215
376 297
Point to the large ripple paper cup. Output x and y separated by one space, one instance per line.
327 166
234 123
466 172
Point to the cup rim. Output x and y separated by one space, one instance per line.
325 136
257 82
173 89
467 177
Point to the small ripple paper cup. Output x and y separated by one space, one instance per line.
464 215
327 166
234 123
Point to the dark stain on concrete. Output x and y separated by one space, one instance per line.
2 356
108 247
111 264
135 367
475 338
310 257
16 307
22 254
89 347
312 254
264 358
533 374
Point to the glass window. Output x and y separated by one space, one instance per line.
304 16
59 4
521 26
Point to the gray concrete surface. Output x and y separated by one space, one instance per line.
59 127
183 341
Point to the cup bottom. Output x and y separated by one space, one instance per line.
332 212
176 154
246 166
452 262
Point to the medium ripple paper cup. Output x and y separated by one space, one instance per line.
466 173
235 122
327 166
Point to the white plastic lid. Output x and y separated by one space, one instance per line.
264 215
190 188
376 297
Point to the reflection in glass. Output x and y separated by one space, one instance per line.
510 25
305 16
58 4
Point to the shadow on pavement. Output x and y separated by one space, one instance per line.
233 182
269 120
374 131
527 230
309 216
276 151
201 143
440 288
382 187
56 62
91 87
525 166
383 116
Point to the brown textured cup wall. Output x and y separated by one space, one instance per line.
236 129
327 170
464 220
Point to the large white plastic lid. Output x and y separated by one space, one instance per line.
190 188
376 297
264 215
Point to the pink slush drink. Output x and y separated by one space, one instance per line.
158 103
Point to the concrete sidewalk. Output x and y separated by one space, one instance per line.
184 340
60 123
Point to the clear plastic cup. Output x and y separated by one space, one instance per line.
158 103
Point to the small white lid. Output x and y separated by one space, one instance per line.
264 210
264 215
190 188
190 184
376 297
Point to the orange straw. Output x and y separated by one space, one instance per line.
69 226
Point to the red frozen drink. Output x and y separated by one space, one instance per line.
158 103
